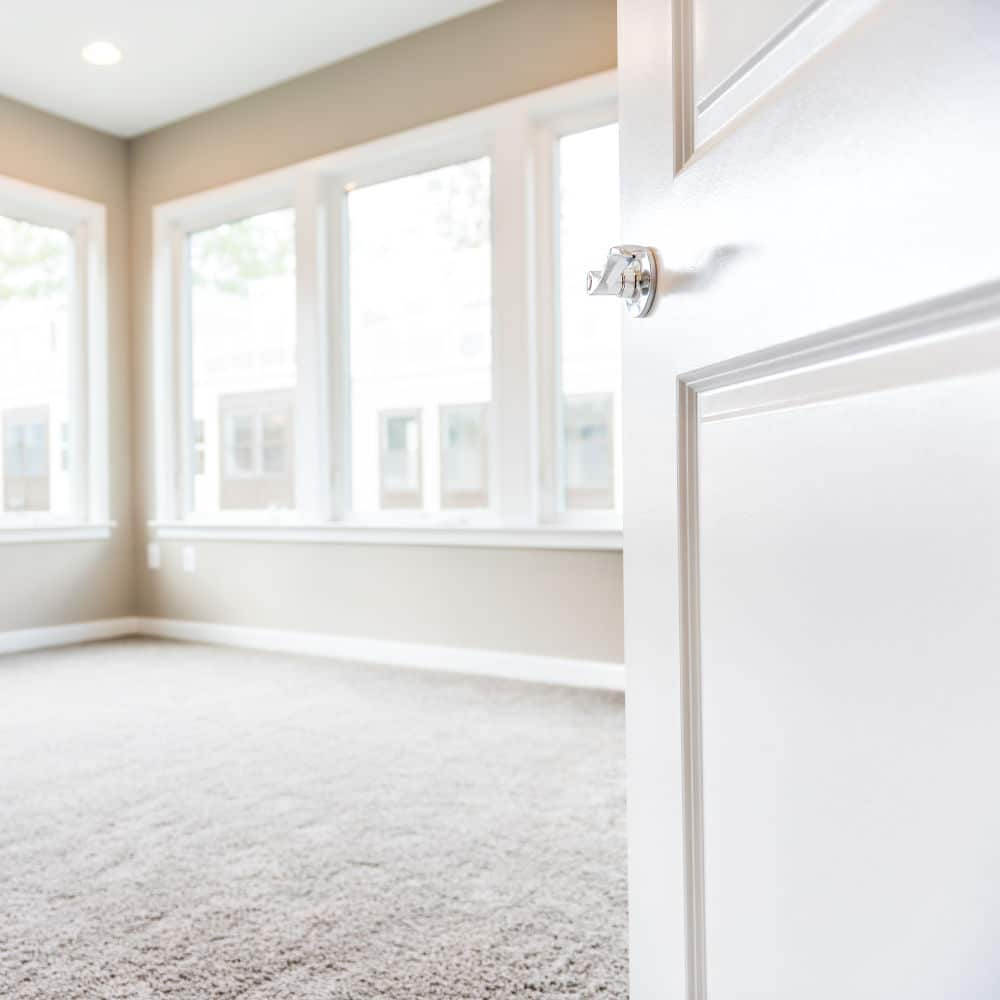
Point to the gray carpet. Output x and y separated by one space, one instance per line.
187 822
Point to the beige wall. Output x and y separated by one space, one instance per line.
52 583
559 603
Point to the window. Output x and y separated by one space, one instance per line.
464 464
35 285
199 447
394 338
26 478
52 409
588 432
243 366
400 471
256 450
428 342
590 346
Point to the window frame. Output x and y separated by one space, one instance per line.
87 446
550 340
462 148
519 137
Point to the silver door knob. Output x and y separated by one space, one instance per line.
629 274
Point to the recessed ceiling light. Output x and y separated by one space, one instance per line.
102 54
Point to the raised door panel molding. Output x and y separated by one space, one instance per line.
809 618
726 62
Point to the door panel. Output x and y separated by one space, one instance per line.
734 53
725 38
811 426
848 705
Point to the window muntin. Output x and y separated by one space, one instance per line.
420 325
243 365
589 340
36 326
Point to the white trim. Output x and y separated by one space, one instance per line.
511 133
549 537
96 471
86 224
55 532
514 445
312 366
593 674
811 30
548 317
22 640
420 656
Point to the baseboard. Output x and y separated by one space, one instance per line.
22 640
416 655
490 663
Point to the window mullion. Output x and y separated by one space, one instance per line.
546 311
514 354
167 380
312 440
79 380
183 415
95 277
338 371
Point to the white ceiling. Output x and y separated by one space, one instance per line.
183 56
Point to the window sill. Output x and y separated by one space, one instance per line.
54 532
542 537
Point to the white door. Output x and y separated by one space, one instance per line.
812 492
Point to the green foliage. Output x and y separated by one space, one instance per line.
228 257
34 261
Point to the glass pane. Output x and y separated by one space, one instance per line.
257 449
240 447
464 469
400 460
36 274
274 433
589 329
199 447
243 363
423 339
590 476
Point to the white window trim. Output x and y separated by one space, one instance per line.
360 533
519 136
86 222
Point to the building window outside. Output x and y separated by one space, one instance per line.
256 447
400 465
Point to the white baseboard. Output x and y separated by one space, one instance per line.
490 663
22 640
421 656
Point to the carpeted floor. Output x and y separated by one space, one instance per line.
189 822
